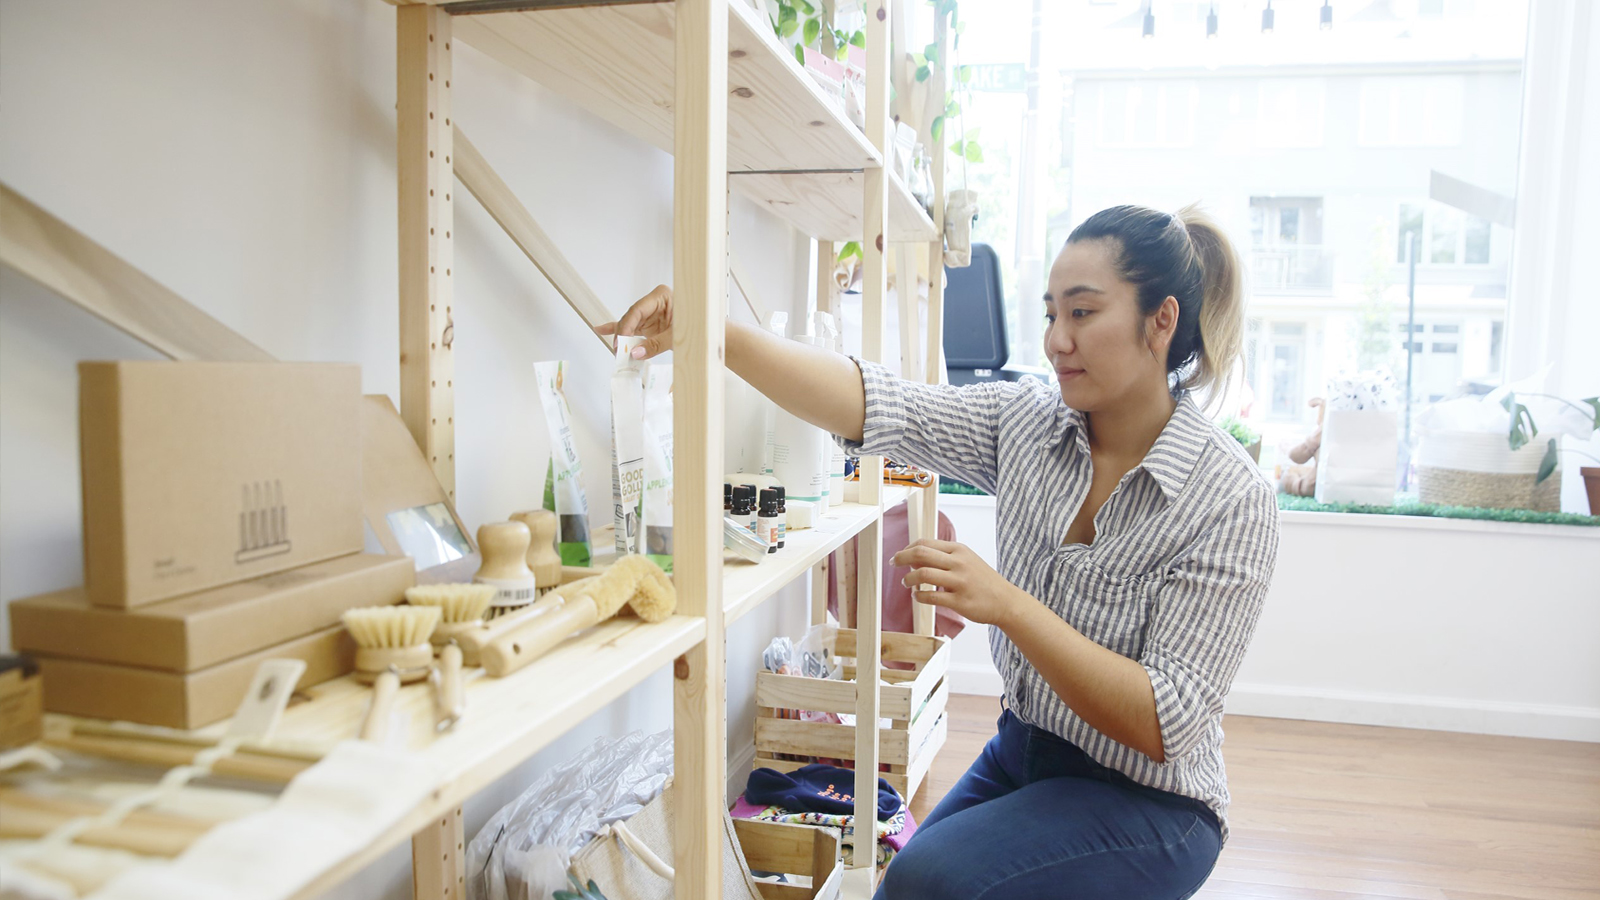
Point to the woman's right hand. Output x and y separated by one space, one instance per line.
650 318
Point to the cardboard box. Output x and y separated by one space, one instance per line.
124 693
211 627
198 474
405 508
21 702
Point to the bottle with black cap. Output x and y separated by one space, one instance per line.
783 514
767 527
727 498
744 506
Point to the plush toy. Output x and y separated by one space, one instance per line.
1301 479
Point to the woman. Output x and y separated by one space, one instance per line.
1136 541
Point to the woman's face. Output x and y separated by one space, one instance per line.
1092 337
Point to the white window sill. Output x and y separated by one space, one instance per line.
1293 517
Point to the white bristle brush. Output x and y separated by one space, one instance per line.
392 648
462 608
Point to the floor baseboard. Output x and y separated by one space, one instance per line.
1531 720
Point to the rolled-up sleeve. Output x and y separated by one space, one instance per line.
950 430
1204 615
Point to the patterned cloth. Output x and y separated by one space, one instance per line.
1174 579
892 832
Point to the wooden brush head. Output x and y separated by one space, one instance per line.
543 557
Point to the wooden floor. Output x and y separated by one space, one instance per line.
1336 812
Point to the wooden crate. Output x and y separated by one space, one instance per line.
914 700
802 850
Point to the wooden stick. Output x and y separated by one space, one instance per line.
480 178
247 766
700 274
56 255
427 222
25 815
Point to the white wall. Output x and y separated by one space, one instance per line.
1457 626
243 155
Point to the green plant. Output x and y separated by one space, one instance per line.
807 18
965 147
1524 430
850 250
1241 432
579 892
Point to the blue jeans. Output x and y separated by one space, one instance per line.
1035 817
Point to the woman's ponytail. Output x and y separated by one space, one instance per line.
1221 306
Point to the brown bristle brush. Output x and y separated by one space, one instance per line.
392 649
634 581
462 608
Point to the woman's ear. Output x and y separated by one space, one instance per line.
1162 325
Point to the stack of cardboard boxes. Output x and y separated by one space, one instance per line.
223 509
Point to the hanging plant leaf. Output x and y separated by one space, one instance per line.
853 248
964 74
974 152
959 148
788 28
923 72
1594 402
859 39
800 54
937 128
813 30
787 14
807 8
841 54
919 59
1547 465
931 52
972 134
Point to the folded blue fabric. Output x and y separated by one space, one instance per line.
816 788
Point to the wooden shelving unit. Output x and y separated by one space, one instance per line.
707 81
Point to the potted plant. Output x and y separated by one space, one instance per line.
1523 430
1244 434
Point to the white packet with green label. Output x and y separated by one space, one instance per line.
563 483
657 508
627 446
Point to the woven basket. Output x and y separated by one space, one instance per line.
1461 468
1488 490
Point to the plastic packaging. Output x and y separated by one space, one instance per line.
627 446
798 453
828 334
523 852
563 485
656 524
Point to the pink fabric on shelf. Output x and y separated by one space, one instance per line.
897 600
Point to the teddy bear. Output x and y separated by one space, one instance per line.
1300 479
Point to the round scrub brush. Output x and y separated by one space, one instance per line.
392 636
391 648
634 581
461 611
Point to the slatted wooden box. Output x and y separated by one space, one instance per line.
914 700
792 850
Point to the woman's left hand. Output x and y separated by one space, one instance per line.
965 582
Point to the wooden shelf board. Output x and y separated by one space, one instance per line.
617 62
746 585
507 719
827 205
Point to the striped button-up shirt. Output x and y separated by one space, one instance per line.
1183 551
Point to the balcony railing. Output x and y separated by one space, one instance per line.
1293 268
